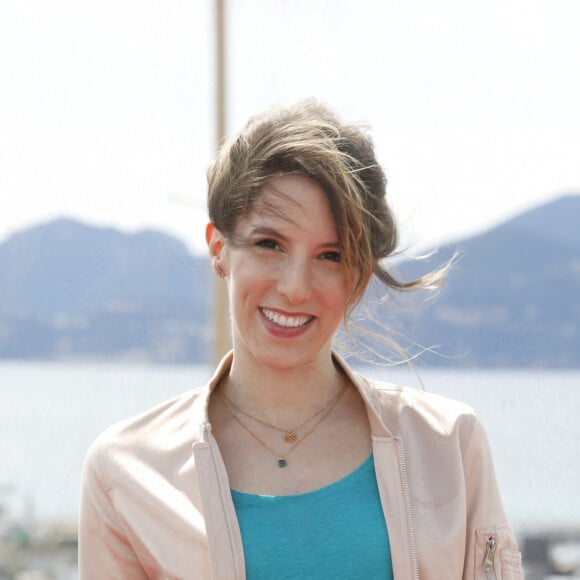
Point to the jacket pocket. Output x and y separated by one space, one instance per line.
496 555
511 565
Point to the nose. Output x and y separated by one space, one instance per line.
295 282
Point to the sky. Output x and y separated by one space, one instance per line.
107 109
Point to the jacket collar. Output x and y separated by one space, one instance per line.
369 396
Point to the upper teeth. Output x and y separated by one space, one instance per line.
283 320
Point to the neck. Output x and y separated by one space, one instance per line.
282 396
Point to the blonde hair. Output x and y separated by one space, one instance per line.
310 140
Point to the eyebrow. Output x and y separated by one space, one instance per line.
266 231
271 232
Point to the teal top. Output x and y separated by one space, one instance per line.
338 531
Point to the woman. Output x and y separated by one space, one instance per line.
287 464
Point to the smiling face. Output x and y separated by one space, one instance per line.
287 284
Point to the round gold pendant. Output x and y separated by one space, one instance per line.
290 436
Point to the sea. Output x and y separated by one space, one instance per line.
51 412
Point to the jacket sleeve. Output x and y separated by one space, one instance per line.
490 541
104 550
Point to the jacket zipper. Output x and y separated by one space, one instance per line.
205 430
489 562
409 506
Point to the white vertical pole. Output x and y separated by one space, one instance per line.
221 326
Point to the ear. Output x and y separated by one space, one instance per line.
215 241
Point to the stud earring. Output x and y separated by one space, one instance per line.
217 269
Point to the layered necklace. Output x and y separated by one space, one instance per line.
290 436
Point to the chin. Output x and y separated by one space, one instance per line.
288 358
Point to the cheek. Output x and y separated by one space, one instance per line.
339 306
247 281
334 292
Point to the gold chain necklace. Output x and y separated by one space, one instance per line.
282 458
289 435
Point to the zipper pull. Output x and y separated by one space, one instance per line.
488 564
205 430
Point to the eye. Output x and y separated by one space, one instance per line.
267 244
331 257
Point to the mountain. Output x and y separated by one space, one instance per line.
73 291
513 298
69 290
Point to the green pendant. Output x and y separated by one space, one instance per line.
282 462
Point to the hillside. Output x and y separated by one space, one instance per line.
73 291
513 299
69 290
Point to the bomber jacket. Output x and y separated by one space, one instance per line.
156 501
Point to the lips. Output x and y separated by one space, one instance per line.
286 320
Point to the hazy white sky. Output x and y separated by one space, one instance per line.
107 114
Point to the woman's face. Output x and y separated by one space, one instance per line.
287 284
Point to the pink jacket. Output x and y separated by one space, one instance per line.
156 501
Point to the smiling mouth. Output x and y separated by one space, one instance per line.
284 320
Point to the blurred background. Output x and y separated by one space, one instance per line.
107 124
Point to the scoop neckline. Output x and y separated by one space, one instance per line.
243 494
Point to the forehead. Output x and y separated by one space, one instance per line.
292 207
293 198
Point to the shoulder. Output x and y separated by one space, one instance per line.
404 409
408 398
168 429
